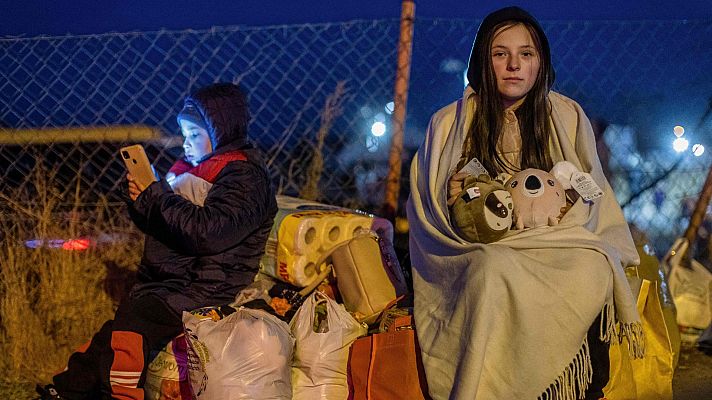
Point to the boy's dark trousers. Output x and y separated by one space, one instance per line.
113 364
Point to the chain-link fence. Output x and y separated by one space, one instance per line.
100 92
636 80
141 78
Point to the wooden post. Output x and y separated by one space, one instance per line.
395 159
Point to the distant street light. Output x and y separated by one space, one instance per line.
678 130
680 144
378 129
698 150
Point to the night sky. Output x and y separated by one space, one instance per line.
35 17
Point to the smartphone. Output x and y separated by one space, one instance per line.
138 165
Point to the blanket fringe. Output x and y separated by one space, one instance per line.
631 331
608 324
574 379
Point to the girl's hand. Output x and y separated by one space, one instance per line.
454 186
564 210
571 197
135 188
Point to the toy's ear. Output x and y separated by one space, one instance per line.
503 177
562 171
484 178
469 180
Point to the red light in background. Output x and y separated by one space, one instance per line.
76 244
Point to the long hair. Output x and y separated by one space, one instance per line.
488 121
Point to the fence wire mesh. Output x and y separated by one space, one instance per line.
68 103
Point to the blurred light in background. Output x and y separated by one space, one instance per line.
366 111
390 106
76 244
372 144
680 144
678 130
378 129
698 150
34 243
452 66
68 244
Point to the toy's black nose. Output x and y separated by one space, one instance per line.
532 183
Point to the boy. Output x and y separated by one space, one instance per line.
205 232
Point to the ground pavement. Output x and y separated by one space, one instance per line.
693 376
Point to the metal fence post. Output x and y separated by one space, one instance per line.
395 159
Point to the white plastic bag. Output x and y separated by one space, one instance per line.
691 288
320 358
691 291
245 356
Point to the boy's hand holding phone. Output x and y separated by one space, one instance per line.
135 188
140 171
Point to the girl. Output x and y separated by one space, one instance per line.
518 318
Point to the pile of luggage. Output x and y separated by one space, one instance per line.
328 317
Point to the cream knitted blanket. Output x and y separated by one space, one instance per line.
508 320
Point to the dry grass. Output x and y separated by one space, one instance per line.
332 110
53 300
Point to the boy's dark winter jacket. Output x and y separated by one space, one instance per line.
195 255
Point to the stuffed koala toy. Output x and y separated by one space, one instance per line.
538 198
482 212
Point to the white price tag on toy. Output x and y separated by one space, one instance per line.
474 167
584 184
473 193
